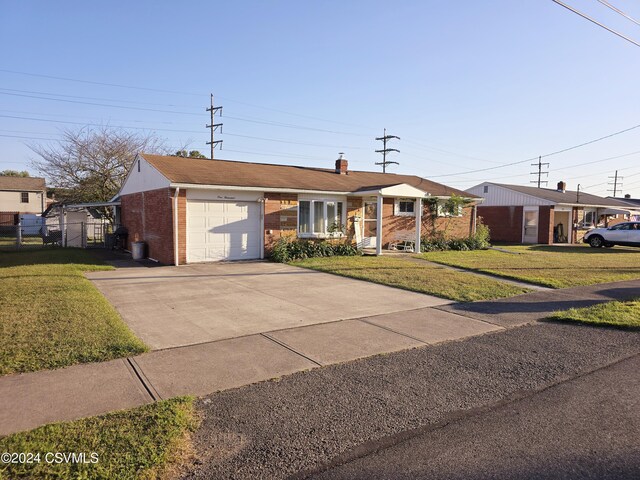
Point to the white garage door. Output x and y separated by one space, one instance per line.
222 230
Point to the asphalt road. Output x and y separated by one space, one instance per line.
586 428
304 423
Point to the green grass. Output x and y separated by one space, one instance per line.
556 267
415 276
51 316
147 442
613 314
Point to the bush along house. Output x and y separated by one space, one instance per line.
523 214
189 210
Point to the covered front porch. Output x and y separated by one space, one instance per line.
391 216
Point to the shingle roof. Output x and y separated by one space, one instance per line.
24 184
629 201
262 175
566 197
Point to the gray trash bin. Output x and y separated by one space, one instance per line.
137 250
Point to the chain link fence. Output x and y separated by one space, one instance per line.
53 233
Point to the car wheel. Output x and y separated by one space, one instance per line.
596 241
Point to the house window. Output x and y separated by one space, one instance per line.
405 207
320 217
589 219
486 189
24 197
445 210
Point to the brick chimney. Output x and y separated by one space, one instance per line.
562 187
342 165
628 195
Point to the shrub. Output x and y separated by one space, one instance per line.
478 241
286 250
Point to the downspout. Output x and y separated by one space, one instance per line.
176 259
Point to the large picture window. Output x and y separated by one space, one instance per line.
320 217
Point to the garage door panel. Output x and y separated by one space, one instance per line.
223 230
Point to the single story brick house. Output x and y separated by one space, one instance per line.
191 210
524 214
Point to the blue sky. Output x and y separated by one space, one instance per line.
467 85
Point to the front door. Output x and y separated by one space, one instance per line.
530 227
370 222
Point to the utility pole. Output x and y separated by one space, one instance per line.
214 126
539 173
616 183
578 194
385 138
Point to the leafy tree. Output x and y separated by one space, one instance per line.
190 154
14 173
90 164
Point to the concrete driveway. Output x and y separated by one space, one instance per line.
177 306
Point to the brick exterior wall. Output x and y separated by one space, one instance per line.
451 227
148 217
280 217
545 224
393 224
505 223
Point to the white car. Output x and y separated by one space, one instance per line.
627 233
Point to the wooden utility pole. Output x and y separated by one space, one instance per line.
616 183
539 173
385 138
214 126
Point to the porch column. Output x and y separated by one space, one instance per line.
379 224
418 223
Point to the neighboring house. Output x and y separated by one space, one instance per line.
192 210
20 195
633 203
522 214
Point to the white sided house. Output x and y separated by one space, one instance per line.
524 214
191 210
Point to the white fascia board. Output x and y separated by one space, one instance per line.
254 189
590 205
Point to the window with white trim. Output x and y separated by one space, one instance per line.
446 211
404 207
589 219
320 218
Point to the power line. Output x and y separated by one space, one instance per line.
615 183
91 82
617 10
541 156
562 4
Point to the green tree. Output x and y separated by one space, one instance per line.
189 154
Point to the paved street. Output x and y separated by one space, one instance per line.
307 421
586 428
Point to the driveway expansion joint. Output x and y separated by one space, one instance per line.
139 375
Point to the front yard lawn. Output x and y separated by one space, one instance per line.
151 441
51 316
556 267
416 276
615 314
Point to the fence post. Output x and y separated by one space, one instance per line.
83 232
19 234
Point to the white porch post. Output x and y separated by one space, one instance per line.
418 223
379 225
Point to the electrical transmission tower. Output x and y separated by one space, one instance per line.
617 185
385 138
539 173
214 126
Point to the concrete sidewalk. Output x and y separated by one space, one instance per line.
33 399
